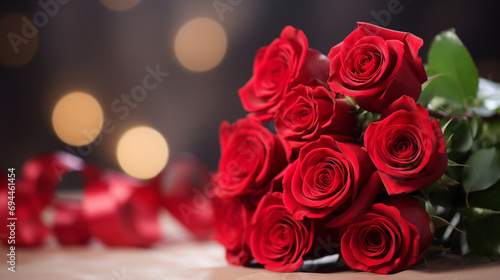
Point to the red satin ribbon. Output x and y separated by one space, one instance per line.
33 192
186 192
28 229
115 208
122 211
70 226
41 175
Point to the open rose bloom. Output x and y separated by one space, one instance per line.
320 171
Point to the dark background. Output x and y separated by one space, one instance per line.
90 48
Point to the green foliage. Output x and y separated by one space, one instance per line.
489 198
460 136
484 170
474 214
454 74
483 235
468 109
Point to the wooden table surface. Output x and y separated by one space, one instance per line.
178 257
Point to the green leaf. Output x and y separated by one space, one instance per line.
476 126
484 170
427 95
460 136
476 213
429 208
491 132
483 237
457 77
489 198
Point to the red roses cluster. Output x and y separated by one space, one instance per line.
321 173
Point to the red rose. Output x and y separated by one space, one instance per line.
330 177
276 239
407 147
233 215
390 237
308 112
375 66
250 157
285 63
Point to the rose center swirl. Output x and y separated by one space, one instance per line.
375 240
299 117
363 62
403 149
244 159
327 181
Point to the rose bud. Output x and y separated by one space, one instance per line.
309 112
251 156
408 148
285 63
390 237
276 239
375 66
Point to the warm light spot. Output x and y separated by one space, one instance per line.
200 44
142 152
77 118
119 5
18 39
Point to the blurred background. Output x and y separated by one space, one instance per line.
127 84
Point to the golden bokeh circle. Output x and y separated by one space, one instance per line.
77 118
200 44
142 152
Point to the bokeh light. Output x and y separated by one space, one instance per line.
119 5
77 118
200 44
142 152
18 39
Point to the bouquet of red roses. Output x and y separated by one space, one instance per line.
337 148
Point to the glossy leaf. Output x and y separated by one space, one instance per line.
460 135
457 77
483 236
429 93
484 170
476 126
429 208
476 213
489 198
